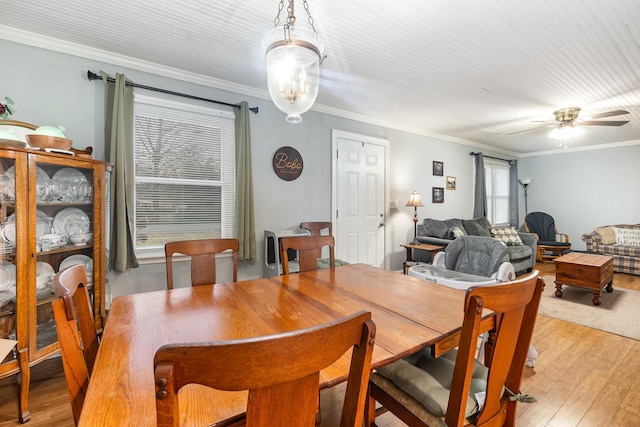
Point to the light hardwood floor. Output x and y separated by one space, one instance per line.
583 377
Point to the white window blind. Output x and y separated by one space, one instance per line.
184 173
497 186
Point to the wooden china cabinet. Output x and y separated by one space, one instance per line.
44 198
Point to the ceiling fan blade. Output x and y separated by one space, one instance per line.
605 123
526 130
607 114
530 129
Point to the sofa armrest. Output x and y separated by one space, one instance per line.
593 241
433 240
531 240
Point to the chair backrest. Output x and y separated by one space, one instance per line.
477 255
316 228
516 305
308 250
76 332
281 372
203 258
541 224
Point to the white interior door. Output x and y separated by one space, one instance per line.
359 195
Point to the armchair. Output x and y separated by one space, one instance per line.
551 243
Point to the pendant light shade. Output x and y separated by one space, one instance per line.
293 55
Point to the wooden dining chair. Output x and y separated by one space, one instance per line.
422 390
308 248
203 258
76 332
317 228
281 372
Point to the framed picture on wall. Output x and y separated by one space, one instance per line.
451 183
437 195
438 168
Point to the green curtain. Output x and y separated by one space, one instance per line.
245 216
118 150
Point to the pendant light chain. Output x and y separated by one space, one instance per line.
291 19
309 18
276 21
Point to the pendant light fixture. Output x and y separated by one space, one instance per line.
293 54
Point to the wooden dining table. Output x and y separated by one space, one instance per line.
409 313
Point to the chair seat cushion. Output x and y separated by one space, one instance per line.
428 380
553 243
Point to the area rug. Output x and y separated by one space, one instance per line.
619 312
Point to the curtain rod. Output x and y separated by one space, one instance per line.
491 157
94 76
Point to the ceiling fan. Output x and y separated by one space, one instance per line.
568 121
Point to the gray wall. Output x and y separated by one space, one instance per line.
583 190
51 88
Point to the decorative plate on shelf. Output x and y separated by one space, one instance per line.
79 259
7 275
44 274
43 226
71 221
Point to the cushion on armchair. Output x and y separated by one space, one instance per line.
437 228
477 227
627 236
607 235
508 235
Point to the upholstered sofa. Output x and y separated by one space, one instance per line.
521 247
621 241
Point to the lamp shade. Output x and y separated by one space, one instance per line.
415 200
525 181
293 55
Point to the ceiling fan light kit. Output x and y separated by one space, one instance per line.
293 56
566 131
569 125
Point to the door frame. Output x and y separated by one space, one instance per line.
338 134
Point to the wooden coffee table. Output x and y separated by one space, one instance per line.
584 270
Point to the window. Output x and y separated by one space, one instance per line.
497 186
184 173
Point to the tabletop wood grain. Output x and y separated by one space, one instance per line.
409 313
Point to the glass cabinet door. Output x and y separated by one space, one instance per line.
63 235
8 273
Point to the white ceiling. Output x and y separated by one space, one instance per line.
466 69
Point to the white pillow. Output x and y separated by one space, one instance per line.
627 236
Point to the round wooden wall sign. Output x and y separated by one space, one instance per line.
287 163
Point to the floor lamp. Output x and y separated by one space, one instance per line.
525 184
415 201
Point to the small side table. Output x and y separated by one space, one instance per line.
434 249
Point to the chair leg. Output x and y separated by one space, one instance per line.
370 412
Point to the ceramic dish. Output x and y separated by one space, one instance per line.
43 226
71 221
44 274
79 259
7 275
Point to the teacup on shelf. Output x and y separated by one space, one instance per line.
81 238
